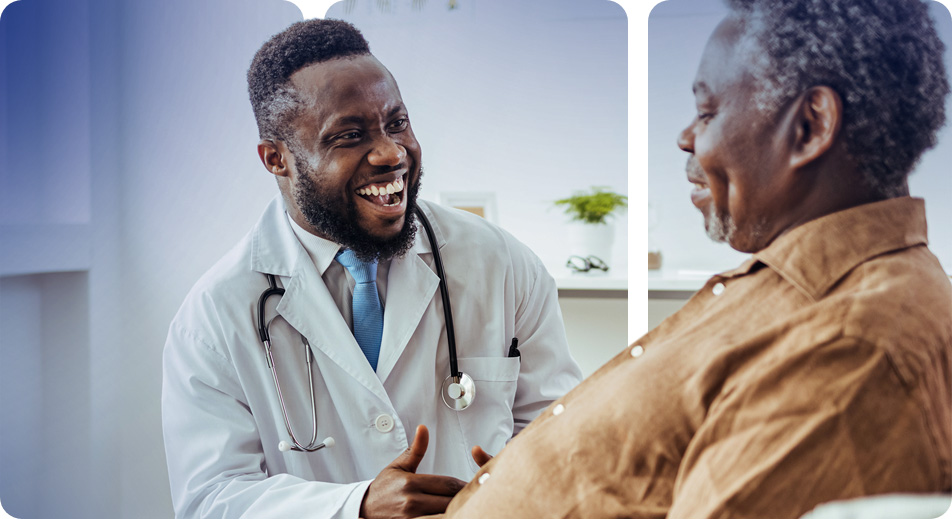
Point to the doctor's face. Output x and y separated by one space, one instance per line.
356 160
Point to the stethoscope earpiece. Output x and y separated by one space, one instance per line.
285 446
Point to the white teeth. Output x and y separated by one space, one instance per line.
394 187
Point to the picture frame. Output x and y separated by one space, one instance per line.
480 203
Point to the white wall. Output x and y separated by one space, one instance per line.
44 393
596 329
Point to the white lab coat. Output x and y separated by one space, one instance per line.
221 417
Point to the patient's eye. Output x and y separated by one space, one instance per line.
349 135
399 125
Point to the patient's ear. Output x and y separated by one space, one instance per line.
274 154
817 122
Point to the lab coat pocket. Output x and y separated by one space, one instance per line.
488 421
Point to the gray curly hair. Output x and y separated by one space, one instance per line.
884 59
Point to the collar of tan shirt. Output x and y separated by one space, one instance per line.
817 254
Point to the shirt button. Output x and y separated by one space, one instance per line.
557 410
484 478
637 351
718 289
384 423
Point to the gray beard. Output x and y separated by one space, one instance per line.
719 227
723 229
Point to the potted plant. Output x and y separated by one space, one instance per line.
592 232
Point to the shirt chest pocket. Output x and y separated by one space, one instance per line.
488 422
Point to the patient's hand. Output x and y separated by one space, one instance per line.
480 456
399 492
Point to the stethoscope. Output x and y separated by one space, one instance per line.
458 389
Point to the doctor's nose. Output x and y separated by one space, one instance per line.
386 152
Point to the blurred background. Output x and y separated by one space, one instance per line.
129 167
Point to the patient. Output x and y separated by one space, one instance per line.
819 369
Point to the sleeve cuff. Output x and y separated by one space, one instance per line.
351 508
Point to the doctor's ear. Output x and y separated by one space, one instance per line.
275 156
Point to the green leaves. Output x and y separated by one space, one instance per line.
594 207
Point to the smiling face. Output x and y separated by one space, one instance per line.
355 163
739 160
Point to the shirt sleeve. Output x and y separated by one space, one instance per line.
214 454
830 423
548 370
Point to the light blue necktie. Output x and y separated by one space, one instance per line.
368 314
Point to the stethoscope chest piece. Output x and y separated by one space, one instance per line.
458 392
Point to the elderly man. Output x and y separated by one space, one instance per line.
819 369
332 318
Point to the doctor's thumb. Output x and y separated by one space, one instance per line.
411 458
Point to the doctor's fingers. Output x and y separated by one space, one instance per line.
411 458
480 456
435 485
401 502
423 504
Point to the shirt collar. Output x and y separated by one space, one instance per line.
816 255
321 251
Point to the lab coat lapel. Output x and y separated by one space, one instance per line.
307 305
411 287
309 308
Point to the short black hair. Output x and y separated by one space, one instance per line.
884 59
273 99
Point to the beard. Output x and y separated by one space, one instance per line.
719 227
723 228
337 219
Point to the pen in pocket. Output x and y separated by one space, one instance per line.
514 348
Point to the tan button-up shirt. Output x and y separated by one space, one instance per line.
818 370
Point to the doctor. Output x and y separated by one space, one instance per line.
336 135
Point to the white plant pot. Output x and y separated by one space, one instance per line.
588 239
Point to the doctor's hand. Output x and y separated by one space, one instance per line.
480 456
399 492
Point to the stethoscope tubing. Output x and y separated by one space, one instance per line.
274 289
265 335
444 294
